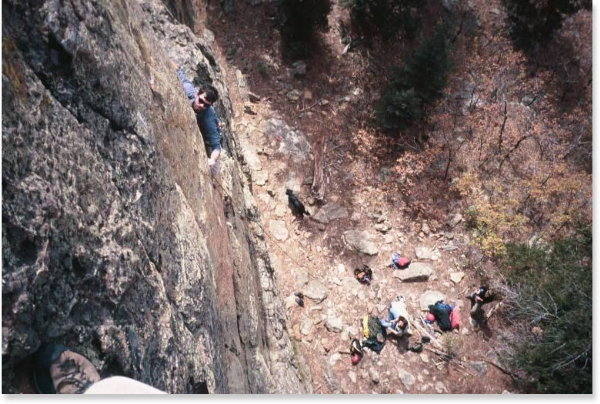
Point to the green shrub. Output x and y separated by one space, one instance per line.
418 83
383 17
300 20
552 307
532 23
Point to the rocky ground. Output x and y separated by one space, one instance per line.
282 122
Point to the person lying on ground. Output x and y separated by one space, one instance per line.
398 322
202 100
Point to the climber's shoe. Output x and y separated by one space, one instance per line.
59 370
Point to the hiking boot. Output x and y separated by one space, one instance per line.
59 370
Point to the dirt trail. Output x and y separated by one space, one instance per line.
329 105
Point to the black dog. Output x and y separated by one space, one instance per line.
296 206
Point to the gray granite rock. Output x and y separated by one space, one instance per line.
417 271
329 212
315 290
360 241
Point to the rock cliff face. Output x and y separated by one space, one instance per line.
116 240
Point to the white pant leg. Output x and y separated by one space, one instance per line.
121 385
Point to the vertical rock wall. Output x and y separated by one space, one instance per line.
116 241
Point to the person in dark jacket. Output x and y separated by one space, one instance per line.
202 100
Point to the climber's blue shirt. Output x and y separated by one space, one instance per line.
207 119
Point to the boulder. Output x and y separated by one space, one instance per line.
329 212
316 291
417 271
430 297
360 241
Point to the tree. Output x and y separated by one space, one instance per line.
383 17
551 303
300 20
532 23
418 83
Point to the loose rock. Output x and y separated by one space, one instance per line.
329 212
333 322
456 277
427 253
407 379
278 230
360 241
417 271
315 290
374 374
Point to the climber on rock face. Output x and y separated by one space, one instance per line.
202 100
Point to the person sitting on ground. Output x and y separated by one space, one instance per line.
58 370
398 322
364 274
202 100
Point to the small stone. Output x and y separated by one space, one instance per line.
240 78
299 68
253 97
455 219
306 326
456 277
352 331
407 379
280 210
374 374
425 228
341 268
293 95
440 387
290 301
424 357
301 277
334 358
479 367
333 322
260 177
383 227
278 229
